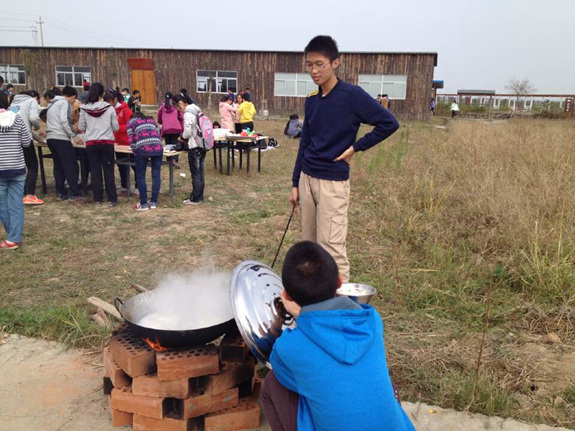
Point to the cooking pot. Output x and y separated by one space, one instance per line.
138 307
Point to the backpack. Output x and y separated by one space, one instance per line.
205 127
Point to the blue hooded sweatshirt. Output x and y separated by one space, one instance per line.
335 360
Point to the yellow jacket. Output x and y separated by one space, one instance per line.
246 111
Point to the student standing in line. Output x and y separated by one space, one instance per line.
99 120
333 115
227 112
13 137
172 122
196 155
246 111
59 133
124 115
25 104
237 118
146 143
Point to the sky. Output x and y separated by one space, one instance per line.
480 44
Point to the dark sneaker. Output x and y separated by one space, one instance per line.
112 204
61 198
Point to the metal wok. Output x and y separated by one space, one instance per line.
135 308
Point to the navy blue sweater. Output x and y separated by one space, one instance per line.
330 127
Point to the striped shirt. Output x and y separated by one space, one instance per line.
13 136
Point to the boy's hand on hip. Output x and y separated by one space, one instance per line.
291 306
346 156
294 197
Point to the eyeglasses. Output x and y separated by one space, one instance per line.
316 67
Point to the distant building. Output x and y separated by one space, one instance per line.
277 79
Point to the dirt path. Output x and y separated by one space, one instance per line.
47 388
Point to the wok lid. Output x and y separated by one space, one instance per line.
261 318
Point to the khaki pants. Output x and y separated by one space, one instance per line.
324 206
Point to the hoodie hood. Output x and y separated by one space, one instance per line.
21 98
7 119
95 109
344 334
168 108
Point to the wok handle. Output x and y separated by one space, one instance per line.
116 302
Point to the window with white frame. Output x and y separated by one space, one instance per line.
73 76
395 86
217 81
13 74
293 84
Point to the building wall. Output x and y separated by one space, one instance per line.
175 69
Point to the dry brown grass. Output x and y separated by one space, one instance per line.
438 219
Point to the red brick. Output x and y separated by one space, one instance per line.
150 386
170 423
131 353
199 403
233 348
257 389
120 418
230 375
245 416
114 372
188 363
124 400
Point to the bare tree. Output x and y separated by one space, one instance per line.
520 86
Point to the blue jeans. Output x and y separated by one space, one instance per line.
141 165
12 207
196 158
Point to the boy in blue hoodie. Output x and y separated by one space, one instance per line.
330 373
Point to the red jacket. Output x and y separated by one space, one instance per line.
124 115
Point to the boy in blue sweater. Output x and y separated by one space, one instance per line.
330 373
320 179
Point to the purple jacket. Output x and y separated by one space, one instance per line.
171 119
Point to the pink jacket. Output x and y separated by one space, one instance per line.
171 119
227 112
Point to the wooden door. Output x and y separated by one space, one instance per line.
144 80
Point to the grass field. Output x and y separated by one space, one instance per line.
450 224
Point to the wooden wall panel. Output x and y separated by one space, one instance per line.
176 69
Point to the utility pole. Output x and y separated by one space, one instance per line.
41 30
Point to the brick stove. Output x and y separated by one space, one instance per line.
204 387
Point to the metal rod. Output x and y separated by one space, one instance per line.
284 235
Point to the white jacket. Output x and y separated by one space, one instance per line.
27 107
190 125
59 120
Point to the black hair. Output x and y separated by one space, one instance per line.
126 90
384 95
1 80
117 89
216 125
247 88
96 91
309 273
294 117
247 97
179 98
4 100
135 92
140 115
69 91
110 96
379 95
324 45
168 99
226 98
43 114
56 91
9 86
34 94
50 94
183 91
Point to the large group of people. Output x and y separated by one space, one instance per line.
82 131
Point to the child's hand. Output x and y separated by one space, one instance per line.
291 306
